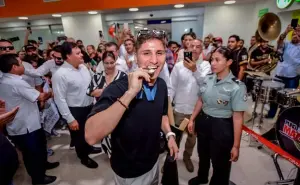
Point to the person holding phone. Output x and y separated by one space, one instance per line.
217 119
186 39
184 92
134 110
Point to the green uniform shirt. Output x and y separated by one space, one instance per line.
221 99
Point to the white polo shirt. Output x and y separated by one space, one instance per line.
16 92
32 81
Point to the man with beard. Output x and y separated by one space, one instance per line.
240 57
49 66
261 55
288 69
32 52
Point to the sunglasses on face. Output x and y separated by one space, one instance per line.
157 33
57 58
5 48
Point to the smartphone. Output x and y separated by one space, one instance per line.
187 54
29 28
100 34
126 26
294 23
40 39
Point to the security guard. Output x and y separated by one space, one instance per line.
219 118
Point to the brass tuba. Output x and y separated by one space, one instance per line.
269 28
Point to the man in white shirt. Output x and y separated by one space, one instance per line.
49 66
185 85
70 83
120 63
130 56
25 130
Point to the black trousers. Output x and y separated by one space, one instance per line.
215 140
8 161
34 150
82 148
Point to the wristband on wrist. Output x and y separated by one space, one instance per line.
170 134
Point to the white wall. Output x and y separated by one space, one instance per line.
84 27
179 27
224 21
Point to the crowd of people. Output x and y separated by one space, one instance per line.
120 95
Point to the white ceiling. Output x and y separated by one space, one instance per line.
141 9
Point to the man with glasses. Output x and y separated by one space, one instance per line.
49 66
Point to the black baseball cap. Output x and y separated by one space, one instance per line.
29 47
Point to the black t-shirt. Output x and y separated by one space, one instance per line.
258 54
136 139
240 57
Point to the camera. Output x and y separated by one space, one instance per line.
151 15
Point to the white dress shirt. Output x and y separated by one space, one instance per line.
185 85
16 92
48 66
165 75
180 55
122 51
69 86
32 81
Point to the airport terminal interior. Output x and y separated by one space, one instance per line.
171 92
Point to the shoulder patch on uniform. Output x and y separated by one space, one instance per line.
236 80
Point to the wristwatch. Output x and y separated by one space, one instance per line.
170 134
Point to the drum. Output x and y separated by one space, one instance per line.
286 100
269 90
288 131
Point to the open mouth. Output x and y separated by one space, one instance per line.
151 70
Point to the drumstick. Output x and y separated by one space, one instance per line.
294 92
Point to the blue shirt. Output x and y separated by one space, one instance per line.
291 61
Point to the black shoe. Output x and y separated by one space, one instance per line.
50 166
90 163
197 181
46 180
96 150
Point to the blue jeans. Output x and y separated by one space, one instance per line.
288 83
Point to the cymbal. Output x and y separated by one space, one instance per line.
259 74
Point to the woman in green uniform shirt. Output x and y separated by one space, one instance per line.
218 117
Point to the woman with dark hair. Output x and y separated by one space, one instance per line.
218 117
104 78
92 53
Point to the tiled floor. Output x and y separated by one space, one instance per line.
255 167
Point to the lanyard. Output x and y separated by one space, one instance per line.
150 93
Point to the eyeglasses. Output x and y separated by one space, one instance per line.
4 48
57 58
157 33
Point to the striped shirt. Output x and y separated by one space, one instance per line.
98 81
290 67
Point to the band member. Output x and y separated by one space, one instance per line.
70 83
184 93
261 55
253 44
25 130
220 106
49 66
134 110
240 57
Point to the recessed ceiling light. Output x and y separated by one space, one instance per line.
163 22
136 27
179 6
229 2
92 12
133 9
23 18
56 15
145 28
